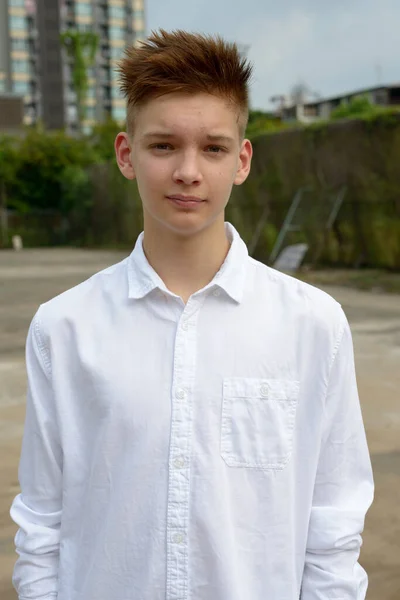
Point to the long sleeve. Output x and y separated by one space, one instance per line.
343 489
37 510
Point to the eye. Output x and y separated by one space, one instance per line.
161 146
215 149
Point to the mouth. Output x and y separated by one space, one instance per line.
185 201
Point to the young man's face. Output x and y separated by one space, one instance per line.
186 153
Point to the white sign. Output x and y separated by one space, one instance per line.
291 257
17 242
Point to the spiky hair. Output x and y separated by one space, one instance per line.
188 63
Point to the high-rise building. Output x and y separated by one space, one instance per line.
18 54
34 64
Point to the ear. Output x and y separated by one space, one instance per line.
123 153
244 163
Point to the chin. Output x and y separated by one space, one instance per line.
187 224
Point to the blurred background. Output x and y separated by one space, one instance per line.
322 200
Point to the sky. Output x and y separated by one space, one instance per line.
333 46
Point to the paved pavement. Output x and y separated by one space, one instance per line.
33 276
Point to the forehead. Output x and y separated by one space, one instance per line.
187 114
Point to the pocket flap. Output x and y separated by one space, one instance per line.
273 389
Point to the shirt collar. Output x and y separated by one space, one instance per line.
142 278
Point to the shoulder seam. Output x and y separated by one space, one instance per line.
40 344
336 346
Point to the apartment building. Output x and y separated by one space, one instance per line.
18 54
33 63
118 23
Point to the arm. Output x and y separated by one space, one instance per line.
37 510
343 489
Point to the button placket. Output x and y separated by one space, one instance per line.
180 453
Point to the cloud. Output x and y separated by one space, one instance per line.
274 46
333 46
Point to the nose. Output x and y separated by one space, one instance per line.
187 170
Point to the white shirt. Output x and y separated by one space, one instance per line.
207 451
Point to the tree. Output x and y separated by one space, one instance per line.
356 107
8 162
261 122
102 138
81 47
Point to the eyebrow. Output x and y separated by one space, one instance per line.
166 136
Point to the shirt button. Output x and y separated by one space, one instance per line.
180 393
178 538
264 391
216 292
185 325
179 463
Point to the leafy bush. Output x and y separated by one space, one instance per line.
359 106
262 122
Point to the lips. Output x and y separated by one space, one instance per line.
182 198
186 202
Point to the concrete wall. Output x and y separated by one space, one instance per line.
51 66
11 113
4 43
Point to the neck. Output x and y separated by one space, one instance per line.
185 263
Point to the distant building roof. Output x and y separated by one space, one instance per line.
338 97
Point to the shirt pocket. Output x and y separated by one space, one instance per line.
258 417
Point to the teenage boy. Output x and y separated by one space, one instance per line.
193 428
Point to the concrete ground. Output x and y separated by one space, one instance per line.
33 276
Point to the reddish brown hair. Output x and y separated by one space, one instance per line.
188 63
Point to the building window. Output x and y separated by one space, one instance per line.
115 92
90 113
381 97
20 66
117 33
106 93
91 93
119 113
84 27
19 44
83 9
2 85
19 3
72 113
116 12
17 22
138 15
310 111
105 74
21 88
116 53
